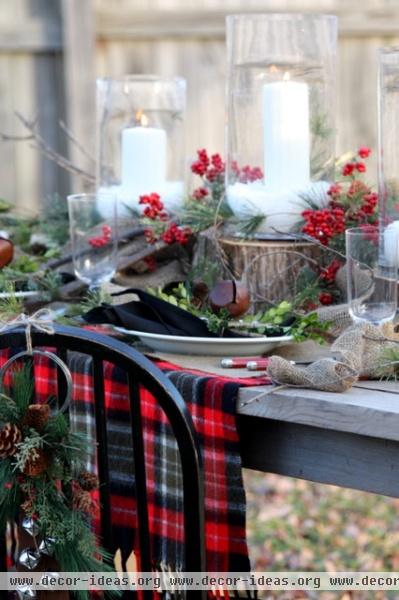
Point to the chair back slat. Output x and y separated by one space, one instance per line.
61 383
102 452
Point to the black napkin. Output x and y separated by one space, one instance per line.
152 315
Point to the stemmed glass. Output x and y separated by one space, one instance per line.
94 242
372 272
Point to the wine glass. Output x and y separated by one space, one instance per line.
94 241
372 273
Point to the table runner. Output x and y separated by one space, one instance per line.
212 403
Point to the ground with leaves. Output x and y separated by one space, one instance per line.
296 525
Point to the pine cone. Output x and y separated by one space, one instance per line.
10 436
82 501
27 506
37 416
88 481
35 466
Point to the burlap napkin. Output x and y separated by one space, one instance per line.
359 347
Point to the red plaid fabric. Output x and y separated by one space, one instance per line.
211 401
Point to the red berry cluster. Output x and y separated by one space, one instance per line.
328 273
155 209
210 168
324 224
200 193
174 233
151 263
246 174
102 240
350 168
150 236
335 191
370 232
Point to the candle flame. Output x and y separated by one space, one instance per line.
141 118
286 76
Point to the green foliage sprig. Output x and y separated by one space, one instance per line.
49 494
388 364
278 320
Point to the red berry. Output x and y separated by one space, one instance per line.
348 169
325 298
364 152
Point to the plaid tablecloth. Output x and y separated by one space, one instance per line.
211 401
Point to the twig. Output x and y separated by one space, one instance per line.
75 141
40 144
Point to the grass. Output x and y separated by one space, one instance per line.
297 525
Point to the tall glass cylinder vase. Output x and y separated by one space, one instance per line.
388 112
281 115
140 139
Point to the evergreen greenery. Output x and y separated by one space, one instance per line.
50 495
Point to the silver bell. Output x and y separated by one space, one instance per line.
29 559
30 526
24 592
47 546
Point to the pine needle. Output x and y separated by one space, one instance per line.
249 226
23 387
11 306
388 364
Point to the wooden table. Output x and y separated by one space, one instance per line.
349 439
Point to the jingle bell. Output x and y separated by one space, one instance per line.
29 559
30 526
24 592
47 546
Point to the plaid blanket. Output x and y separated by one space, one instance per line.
211 401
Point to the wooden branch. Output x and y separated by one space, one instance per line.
42 146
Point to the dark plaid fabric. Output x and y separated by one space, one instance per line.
211 401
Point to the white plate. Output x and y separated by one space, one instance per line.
173 344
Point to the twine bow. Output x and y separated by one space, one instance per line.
41 320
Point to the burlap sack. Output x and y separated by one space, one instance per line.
359 347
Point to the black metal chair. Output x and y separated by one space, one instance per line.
139 372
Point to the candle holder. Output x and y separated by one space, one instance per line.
388 130
140 145
281 115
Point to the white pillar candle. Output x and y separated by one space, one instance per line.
391 243
286 135
143 160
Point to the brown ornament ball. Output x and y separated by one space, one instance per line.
6 252
230 295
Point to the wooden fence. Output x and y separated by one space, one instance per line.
52 50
